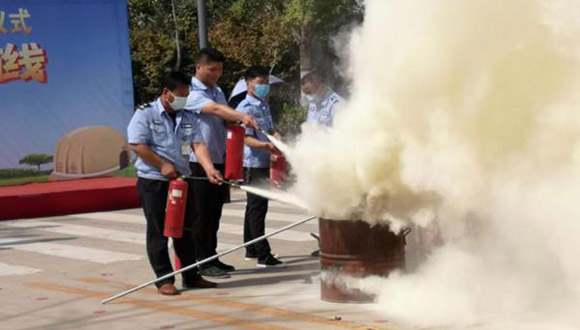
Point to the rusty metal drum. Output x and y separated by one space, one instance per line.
356 249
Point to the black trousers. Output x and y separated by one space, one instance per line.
255 217
208 202
153 198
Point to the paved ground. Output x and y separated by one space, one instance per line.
55 271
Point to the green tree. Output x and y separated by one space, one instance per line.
152 35
313 24
284 34
36 160
252 32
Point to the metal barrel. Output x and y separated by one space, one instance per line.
354 249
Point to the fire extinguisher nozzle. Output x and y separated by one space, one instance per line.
232 183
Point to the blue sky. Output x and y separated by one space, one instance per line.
88 69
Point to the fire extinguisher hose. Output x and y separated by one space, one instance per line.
228 182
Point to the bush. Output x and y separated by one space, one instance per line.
290 119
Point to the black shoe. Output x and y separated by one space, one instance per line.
315 253
270 261
213 271
224 267
249 257
198 283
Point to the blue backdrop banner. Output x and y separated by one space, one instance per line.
65 86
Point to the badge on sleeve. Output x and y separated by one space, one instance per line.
187 129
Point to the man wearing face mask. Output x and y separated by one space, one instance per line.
208 102
321 98
321 103
257 163
163 136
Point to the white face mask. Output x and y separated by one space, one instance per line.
178 102
313 98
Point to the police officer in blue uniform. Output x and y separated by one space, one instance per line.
257 163
322 100
208 102
320 108
162 135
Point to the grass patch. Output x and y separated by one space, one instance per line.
35 176
9 173
129 171
17 181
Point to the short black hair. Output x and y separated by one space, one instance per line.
312 76
256 71
174 80
210 55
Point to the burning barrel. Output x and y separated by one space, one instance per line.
354 249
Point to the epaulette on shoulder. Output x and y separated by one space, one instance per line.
334 98
144 106
243 104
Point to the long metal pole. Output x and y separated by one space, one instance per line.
202 23
139 287
177 45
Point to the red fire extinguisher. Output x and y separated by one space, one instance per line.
234 153
175 208
277 168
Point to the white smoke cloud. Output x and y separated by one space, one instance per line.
467 112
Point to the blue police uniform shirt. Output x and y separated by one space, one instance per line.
152 125
257 157
213 128
321 110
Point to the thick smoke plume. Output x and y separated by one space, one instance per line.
464 115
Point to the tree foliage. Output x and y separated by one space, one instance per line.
36 160
283 34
